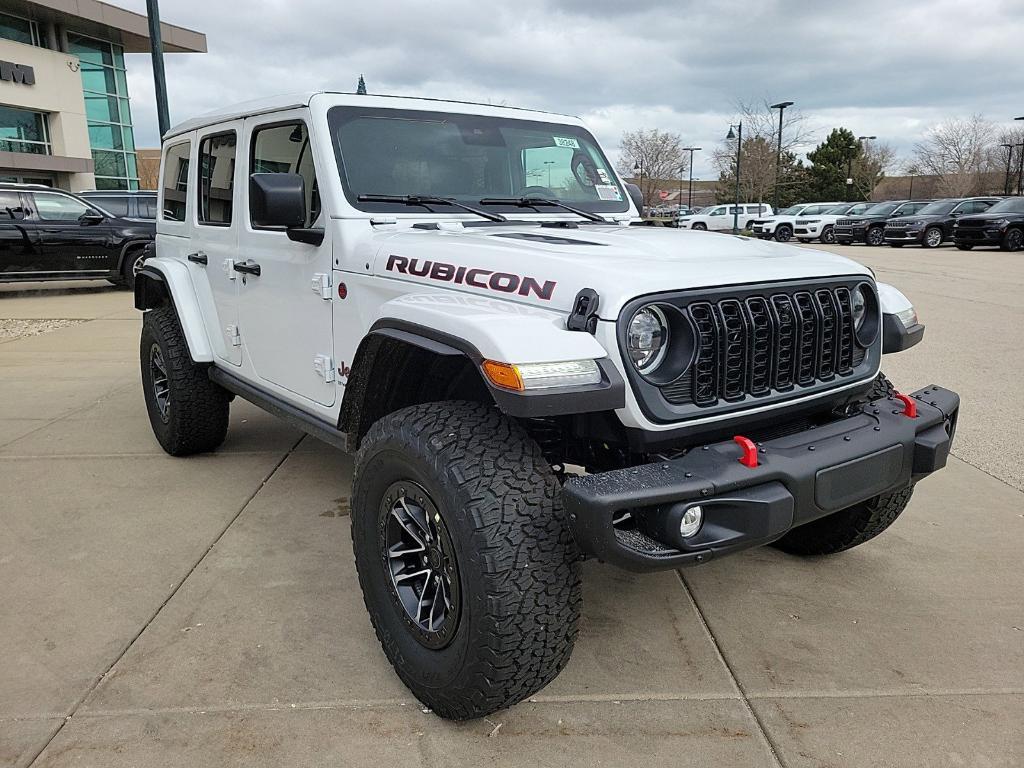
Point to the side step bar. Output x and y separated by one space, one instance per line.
311 425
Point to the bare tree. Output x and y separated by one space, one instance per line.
760 148
956 152
658 153
875 161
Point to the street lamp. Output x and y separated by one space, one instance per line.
689 200
638 174
781 106
738 136
1020 168
861 140
549 163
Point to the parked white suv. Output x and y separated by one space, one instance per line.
821 226
780 226
720 218
455 293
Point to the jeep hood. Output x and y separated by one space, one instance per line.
546 266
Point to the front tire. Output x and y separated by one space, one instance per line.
783 234
128 268
509 610
188 412
1013 240
932 237
875 237
828 236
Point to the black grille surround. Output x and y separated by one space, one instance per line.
756 345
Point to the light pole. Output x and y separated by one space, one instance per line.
738 135
1009 161
549 163
691 150
781 106
861 140
1020 168
159 78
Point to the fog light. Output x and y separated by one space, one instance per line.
690 522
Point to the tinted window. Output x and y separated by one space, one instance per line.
118 206
974 206
938 207
908 208
1010 205
882 209
147 207
216 178
175 184
10 206
285 149
59 208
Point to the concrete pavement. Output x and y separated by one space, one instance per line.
205 611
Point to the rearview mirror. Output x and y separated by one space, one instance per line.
277 200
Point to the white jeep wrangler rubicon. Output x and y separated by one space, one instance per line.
454 293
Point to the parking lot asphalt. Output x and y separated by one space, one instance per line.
205 611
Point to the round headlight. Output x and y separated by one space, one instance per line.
860 307
647 338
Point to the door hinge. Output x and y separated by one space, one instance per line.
322 285
234 335
229 269
324 366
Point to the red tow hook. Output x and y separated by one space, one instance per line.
749 457
909 405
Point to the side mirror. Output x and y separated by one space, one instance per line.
90 218
636 196
277 200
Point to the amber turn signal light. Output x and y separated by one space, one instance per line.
503 375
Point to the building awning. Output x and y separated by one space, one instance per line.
108 22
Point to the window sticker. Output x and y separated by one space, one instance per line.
607 192
566 141
602 174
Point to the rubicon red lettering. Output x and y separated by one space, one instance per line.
502 282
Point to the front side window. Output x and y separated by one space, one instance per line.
285 149
10 206
59 208
718 212
175 184
469 158
216 178
1009 205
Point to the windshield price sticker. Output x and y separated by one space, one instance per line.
602 174
607 192
566 141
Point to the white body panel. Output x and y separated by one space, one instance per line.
720 217
517 281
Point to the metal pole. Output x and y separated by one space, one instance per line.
736 209
1009 162
1020 172
689 194
159 78
911 195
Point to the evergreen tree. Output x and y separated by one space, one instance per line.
832 162
361 88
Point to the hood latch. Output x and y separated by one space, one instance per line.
583 316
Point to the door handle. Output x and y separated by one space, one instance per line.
198 258
248 266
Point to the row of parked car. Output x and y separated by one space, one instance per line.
50 234
968 222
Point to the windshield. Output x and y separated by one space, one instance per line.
1010 205
882 209
793 210
837 209
469 158
859 208
939 206
908 208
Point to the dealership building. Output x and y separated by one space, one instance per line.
65 116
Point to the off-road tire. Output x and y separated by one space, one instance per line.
517 565
854 525
197 416
783 233
875 237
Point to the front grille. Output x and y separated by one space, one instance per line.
758 344
845 222
896 225
972 223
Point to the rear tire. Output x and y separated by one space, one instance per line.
128 267
510 566
188 412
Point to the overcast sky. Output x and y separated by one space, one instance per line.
874 66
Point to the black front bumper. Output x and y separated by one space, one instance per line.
850 234
799 478
978 236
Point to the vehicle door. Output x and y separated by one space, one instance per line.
285 310
717 218
74 235
213 250
965 208
20 255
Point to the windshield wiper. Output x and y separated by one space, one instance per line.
536 202
428 200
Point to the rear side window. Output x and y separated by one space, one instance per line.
216 178
285 149
59 208
147 207
175 183
10 206
115 205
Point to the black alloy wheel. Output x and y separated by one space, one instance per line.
1013 240
160 385
419 559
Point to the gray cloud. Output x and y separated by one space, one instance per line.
874 66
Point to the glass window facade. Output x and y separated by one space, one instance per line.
22 130
20 30
107 111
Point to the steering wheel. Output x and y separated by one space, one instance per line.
584 169
536 192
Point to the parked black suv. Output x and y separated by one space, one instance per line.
125 204
869 226
932 225
49 234
1001 225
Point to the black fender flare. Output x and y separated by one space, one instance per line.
130 245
